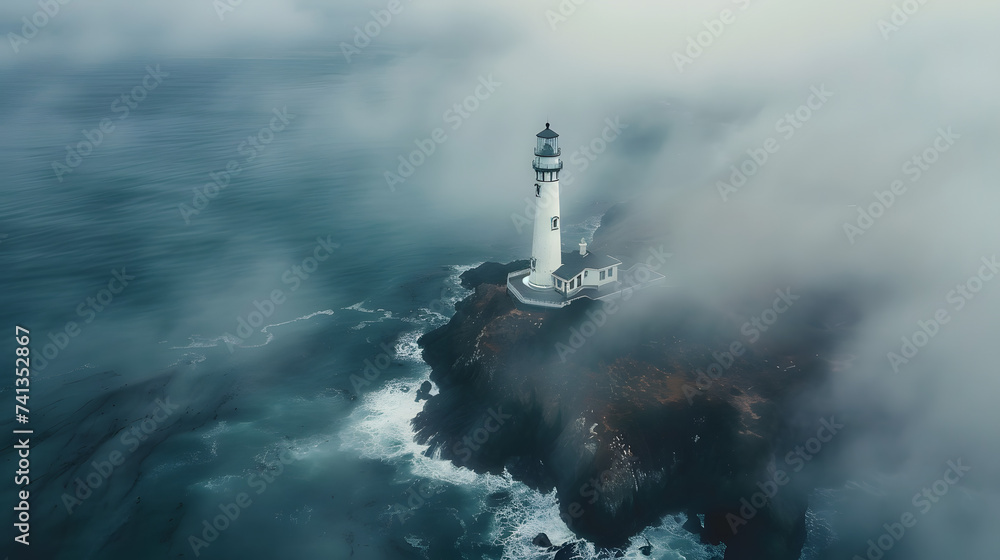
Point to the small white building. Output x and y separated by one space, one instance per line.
584 270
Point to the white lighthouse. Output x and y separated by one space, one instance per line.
556 279
546 244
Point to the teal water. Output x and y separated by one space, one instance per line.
278 411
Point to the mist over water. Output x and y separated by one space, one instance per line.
910 111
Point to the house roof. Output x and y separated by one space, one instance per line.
574 263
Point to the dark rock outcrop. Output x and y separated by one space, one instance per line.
424 392
542 540
490 273
647 411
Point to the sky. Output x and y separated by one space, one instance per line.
839 97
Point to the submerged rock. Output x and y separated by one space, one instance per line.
542 540
569 551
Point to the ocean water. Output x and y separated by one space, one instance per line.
274 420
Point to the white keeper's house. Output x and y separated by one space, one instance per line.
555 278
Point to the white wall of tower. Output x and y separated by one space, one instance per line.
546 243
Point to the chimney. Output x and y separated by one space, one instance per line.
583 247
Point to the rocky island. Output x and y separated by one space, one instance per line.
632 410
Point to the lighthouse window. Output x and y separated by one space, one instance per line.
555 222
533 261
538 190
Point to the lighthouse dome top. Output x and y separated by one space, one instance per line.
548 132
548 146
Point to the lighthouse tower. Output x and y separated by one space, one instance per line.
546 244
